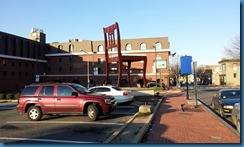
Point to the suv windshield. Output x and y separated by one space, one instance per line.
79 88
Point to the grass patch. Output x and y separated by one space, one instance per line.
143 114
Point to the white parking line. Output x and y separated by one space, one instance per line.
43 140
63 122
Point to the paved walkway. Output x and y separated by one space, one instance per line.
193 125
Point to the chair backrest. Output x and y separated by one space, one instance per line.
112 39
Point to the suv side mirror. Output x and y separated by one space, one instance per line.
74 94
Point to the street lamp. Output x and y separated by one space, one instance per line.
88 78
155 63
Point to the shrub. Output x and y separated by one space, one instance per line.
9 96
2 96
16 96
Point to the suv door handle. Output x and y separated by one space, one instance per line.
58 99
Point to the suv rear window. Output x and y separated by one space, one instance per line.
47 91
30 90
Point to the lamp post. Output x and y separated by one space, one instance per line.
155 63
88 78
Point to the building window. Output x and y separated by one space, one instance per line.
100 70
128 47
71 47
223 67
4 62
234 66
235 75
4 74
21 48
158 45
60 68
6 45
100 48
12 63
34 50
28 49
60 59
14 46
38 50
70 68
70 58
60 47
143 46
19 64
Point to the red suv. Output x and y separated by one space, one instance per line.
63 98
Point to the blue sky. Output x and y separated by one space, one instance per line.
199 28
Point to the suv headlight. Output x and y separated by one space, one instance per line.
228 107
108 101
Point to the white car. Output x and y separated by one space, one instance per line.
120 95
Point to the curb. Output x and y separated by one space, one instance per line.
145 127
6 101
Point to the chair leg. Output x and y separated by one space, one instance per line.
120 74
107 74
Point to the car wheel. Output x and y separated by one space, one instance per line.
92 112
34 113
221 112
238 125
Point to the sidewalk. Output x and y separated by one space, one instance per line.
172 124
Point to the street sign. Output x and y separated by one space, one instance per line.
161 64
185 65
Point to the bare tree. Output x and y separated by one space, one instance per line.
200 73
175 67
233 49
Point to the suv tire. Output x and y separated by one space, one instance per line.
34 113
92 112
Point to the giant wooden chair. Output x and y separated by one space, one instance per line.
112 42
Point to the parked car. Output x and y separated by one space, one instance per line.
224 100
120 95
63 98
154 84
236 116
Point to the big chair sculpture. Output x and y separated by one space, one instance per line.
112 43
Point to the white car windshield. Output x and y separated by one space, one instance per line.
80 88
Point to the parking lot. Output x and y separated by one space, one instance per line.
16 128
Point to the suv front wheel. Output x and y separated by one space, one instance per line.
92 112
34 113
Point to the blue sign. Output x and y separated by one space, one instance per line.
185 65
